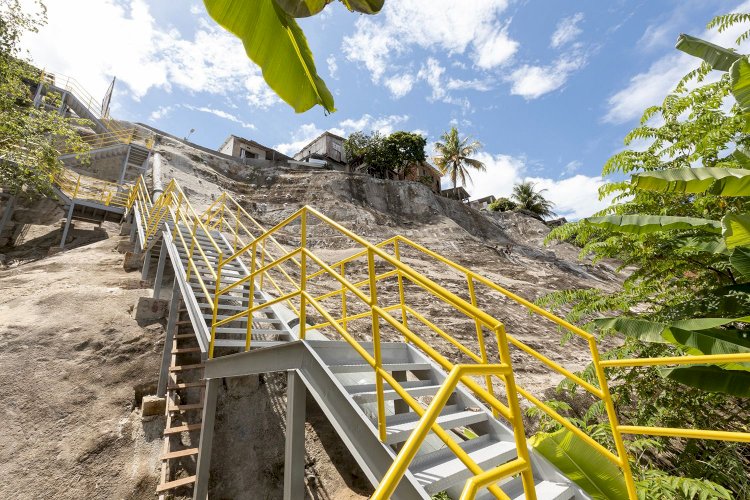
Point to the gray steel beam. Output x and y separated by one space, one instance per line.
174 308
160 270
124 165
271 359
294 450
203 466
67 225
146 264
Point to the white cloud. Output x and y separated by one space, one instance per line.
221 114
159 113
441 26
333 67
368 123
651 86
494 49
531 82
400 85
572 166
567 30
574 197
125 40
301 138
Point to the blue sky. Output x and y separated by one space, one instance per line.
550 88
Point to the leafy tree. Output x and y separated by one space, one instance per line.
385 156
502 205
454 156
29 138
275 42
685 233
527 197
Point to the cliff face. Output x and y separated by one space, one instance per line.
505 247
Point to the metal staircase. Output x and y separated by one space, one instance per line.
244 323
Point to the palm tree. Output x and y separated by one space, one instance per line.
532 200
453 156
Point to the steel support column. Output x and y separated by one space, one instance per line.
160 269
174 308
67 225
125 166
146 264
203 466
294 451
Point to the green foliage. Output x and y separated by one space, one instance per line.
29 137
384 156
274 41
582 463
454 156
527 197
683 234
656 485
502 204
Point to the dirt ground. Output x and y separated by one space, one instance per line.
73 363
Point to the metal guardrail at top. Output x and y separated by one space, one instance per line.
124 135
295 275
80 187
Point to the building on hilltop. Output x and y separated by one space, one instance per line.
248 149
482 203
456 193
327 147
425 173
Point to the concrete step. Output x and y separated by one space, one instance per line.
273 321
254 344
391 367
545 490
366 393
441 469
399 427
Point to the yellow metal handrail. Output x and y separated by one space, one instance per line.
295 278
377 313
77 186
117 132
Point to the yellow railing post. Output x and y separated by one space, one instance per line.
518 428
622 453
192 249
343 297
215 311
251 297
262 260
480 337
401 296
78 184
303 275
376 343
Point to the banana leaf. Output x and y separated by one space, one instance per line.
581 463
643 224
711 378
711 341
736 230
740 260
708 244
364 6
739 75
276 43
302 8
718 57
717 181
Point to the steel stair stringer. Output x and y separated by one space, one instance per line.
350 423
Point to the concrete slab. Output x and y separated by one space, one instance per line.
150 309
153 405
132 262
